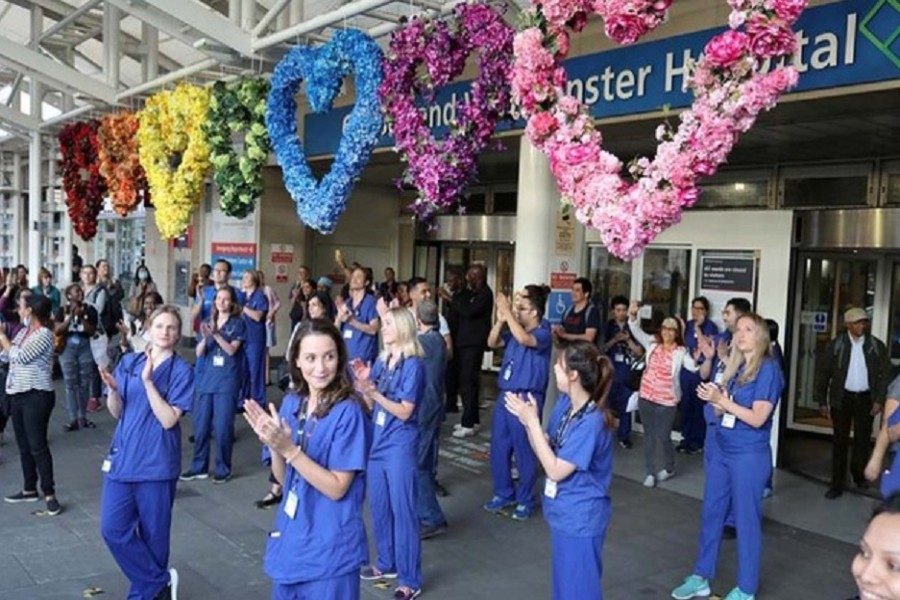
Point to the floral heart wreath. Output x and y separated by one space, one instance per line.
321 203
441 170
82 181
119 162
730 88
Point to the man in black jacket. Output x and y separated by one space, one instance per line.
852 374
472 309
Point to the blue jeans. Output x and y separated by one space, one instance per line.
428 509
78 369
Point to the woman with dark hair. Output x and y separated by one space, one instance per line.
319 445
526 338
255 308
136 336
576 453
79 325
30 395
148 394
693 424
875 566
141 285
357 317
46 288
10 329
220 360
742 463
660 391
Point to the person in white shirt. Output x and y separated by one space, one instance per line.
852 375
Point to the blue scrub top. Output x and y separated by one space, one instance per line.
256 330
890 480
326 538
218 371
526 368
141 449
766 386
430 411
405 382
709 329
582 506
361 345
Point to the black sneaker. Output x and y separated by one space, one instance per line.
626 444
53 507
430 531
170 592
221 478
71 426
86 424
22 497
192 475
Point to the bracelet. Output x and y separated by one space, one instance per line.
297 452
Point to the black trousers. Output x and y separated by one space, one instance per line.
31 416
451 383
855 410
469 381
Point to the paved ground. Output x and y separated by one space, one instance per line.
218 536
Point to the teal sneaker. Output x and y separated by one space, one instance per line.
694 586
737 594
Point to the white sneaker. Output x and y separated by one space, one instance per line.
464 432
664 475
649 481
476 427
173 583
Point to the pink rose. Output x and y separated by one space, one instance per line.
789 10
728 48
541 125
770 37
624 29
579 153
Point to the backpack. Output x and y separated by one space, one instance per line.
587 314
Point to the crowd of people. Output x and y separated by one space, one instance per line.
372 374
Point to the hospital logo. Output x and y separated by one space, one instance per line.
882 27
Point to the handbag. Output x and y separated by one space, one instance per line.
635 374
99 346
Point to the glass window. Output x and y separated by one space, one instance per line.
665 284
505 203
610 276
836 185
893 188
894 329
475 204
737 194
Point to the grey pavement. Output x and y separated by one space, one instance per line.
218 537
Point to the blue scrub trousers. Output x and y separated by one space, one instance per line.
710 450
392 500
693 423
342 587
255 373
508 436
428 510
135 522
619 394
216 411
577 566
734 479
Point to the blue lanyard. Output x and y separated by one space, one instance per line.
306 425
563 428
390 373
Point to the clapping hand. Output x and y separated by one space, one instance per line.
504 308
524 410
715 395
272 430
109 379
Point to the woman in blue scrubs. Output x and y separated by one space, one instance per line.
693 423
319 444
148 394
527 340
255 309
737 474
220 360
889 433
392 388
576 454
357 317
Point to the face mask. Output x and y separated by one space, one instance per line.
27 322
143 275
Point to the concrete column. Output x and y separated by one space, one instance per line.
538 200
296 11
111 57
234 11
33 256
150 63
248 14
18 222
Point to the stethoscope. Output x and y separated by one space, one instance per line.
564 425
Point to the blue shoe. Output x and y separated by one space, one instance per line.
498 504
737 594
522 512
694 586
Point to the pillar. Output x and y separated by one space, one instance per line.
538 199
33 257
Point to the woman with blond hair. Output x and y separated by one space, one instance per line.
737 474
392 388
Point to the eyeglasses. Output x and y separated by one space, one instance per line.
698 307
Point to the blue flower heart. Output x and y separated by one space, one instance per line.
321 203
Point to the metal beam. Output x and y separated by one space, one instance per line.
346 11
168 78
18 119
41 68
206 21
14 89
269 16
60 25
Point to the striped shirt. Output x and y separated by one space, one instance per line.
658 385
30 361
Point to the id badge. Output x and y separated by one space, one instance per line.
290 505
380 418
507 374
218 360
348 334
728 421
550 488
619 358
107 465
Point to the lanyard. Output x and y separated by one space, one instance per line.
562 429
390 373
306 425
